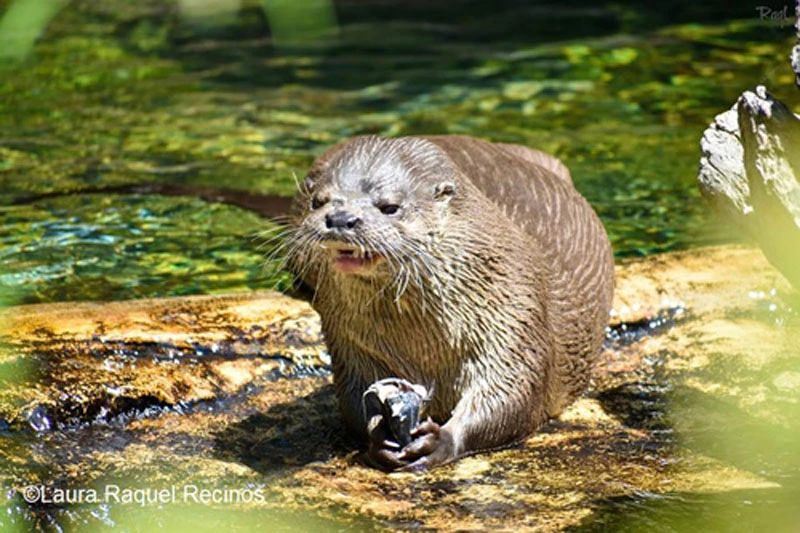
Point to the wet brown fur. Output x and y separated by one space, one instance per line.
496 293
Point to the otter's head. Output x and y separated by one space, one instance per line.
372 208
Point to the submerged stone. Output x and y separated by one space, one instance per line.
39 419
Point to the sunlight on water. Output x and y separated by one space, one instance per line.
120 93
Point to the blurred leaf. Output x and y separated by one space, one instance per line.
23 23
299 21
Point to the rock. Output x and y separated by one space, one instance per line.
681 280
703 406
96 361
749 169
795 58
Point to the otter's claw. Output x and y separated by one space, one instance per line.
433 445
426 440
383 452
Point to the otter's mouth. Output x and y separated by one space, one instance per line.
353 259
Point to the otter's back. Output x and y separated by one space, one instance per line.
535 191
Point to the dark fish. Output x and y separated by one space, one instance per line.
399 403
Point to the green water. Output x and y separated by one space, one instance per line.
118 92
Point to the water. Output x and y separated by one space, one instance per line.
118 93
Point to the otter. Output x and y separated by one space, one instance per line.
470 267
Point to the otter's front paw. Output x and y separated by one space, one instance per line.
383 451
432 445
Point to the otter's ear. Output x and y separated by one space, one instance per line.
307 185
444 190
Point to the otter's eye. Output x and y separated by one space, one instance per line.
389 209
317 202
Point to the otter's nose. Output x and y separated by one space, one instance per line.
341 220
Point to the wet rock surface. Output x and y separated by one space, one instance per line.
82 362
701 357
